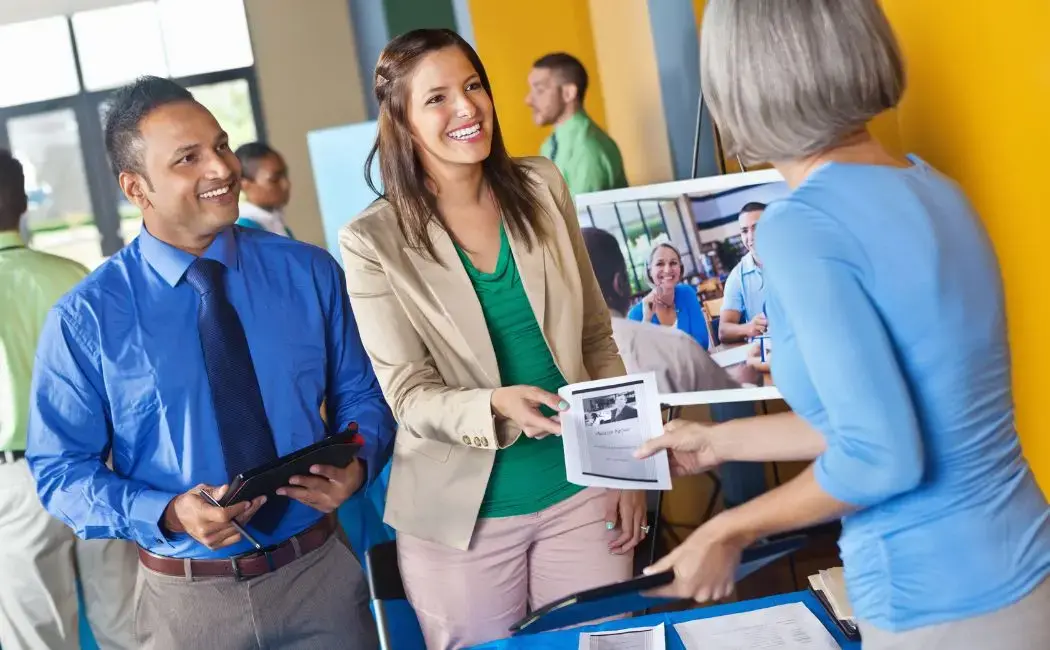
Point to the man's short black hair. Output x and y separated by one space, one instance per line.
12 191
250 154
127 108
608 262
569 68
753 206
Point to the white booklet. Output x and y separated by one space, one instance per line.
638 638
607 421
790 627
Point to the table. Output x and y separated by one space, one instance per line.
569 639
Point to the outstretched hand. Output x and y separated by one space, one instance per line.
689 447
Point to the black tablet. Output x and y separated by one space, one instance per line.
631 596
338 450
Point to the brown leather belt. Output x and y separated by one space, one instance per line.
247 565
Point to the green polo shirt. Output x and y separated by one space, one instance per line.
30 284
529 475
588 158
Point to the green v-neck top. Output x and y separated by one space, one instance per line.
528 476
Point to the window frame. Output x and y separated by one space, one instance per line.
86 106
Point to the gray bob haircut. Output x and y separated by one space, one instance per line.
787 79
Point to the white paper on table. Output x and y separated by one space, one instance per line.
784 627
607 421
731 357
638 638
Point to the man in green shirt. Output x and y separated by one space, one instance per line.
40 558
586 155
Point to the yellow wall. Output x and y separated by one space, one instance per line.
634 108
510 35
976 109
698 10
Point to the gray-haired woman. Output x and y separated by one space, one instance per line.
891 349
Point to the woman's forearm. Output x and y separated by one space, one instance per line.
767 438
799 503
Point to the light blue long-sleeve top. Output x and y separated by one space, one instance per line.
891 340
119 368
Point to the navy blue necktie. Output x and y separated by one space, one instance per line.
554 147
244 430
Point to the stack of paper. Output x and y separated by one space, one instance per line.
830 586
639 638
787 627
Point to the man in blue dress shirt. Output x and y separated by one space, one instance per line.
197 352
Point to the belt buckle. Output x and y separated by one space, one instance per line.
267 554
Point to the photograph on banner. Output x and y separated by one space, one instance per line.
689 250
606 422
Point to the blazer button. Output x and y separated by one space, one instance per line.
466 440
485 442
477 441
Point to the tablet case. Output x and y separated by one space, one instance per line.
338 450
627 597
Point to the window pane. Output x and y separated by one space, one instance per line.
117 44
231 105
37 61
59 217
205 35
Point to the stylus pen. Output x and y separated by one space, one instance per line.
240 529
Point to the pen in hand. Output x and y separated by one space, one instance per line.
239 528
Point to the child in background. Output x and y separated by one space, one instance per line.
264 180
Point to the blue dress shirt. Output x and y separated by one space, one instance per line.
891 340
119 369
690 315
745 289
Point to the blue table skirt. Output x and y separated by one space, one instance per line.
569 639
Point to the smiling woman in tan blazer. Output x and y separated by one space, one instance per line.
476 302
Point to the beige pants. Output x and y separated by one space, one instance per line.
40 560
463 598
317 602
1025 625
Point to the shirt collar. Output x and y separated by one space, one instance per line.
10 239
273 219
171 263
748 265
576 123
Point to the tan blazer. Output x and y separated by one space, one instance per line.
423 328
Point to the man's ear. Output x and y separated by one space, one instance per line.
135 187
569 93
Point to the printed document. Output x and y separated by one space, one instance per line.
606 422
639 638
785 627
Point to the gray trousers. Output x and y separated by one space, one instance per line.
318 602
1025 625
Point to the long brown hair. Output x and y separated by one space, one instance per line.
400 168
